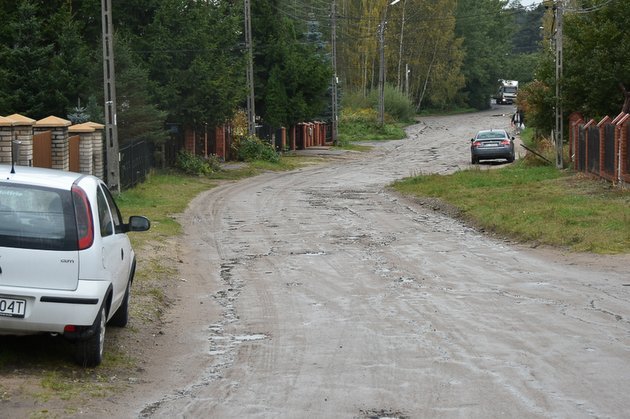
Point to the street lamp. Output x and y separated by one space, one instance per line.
381 73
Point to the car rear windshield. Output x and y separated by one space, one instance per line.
36 218
490 135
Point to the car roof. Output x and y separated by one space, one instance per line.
38 176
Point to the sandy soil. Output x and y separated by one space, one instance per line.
319 293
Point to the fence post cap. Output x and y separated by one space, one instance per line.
53 122
21 119
81 128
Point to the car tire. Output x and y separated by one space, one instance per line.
510 159
474 160
89 352
121 316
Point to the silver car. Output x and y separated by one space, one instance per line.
66 263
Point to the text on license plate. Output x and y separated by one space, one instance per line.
12 307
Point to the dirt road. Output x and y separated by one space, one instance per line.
319 294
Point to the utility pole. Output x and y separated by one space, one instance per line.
381 71
400 46
407 71
559 133
334 70
381 67
251 111
109 86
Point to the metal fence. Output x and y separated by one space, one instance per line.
136 160
602 149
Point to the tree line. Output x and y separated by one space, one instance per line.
176 61
184 61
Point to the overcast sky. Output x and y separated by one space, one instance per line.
530 2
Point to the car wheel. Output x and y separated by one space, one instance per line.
510 159
474 160
89 352
121 316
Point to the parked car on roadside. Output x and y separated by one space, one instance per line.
66 263
492 144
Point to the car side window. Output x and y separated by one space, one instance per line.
104 217
116 216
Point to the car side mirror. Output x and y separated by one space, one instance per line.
472 140
138 223
513 138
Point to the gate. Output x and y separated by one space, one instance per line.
42 149
592 151
75 157
581 146
609 149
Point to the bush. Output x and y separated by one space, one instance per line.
253 148
193 164
398 107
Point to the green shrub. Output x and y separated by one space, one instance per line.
193 164
398 107
253 148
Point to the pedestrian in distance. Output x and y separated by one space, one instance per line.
518 121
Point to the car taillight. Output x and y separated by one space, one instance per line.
505 142
83 217
476 144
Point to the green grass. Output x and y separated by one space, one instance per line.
535 204
160 197
362 131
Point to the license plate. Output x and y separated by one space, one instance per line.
12 307
491 145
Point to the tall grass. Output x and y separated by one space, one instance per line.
535 204
359 117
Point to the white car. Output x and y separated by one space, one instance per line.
66 263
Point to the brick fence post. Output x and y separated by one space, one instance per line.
575 120
23 132
602 145
6 137
98 150
623 134
219 148
86 146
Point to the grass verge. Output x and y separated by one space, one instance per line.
535 205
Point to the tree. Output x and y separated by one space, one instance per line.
595 46
192 52
596 59
418 35
485 29
292 73
44 65
138 117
